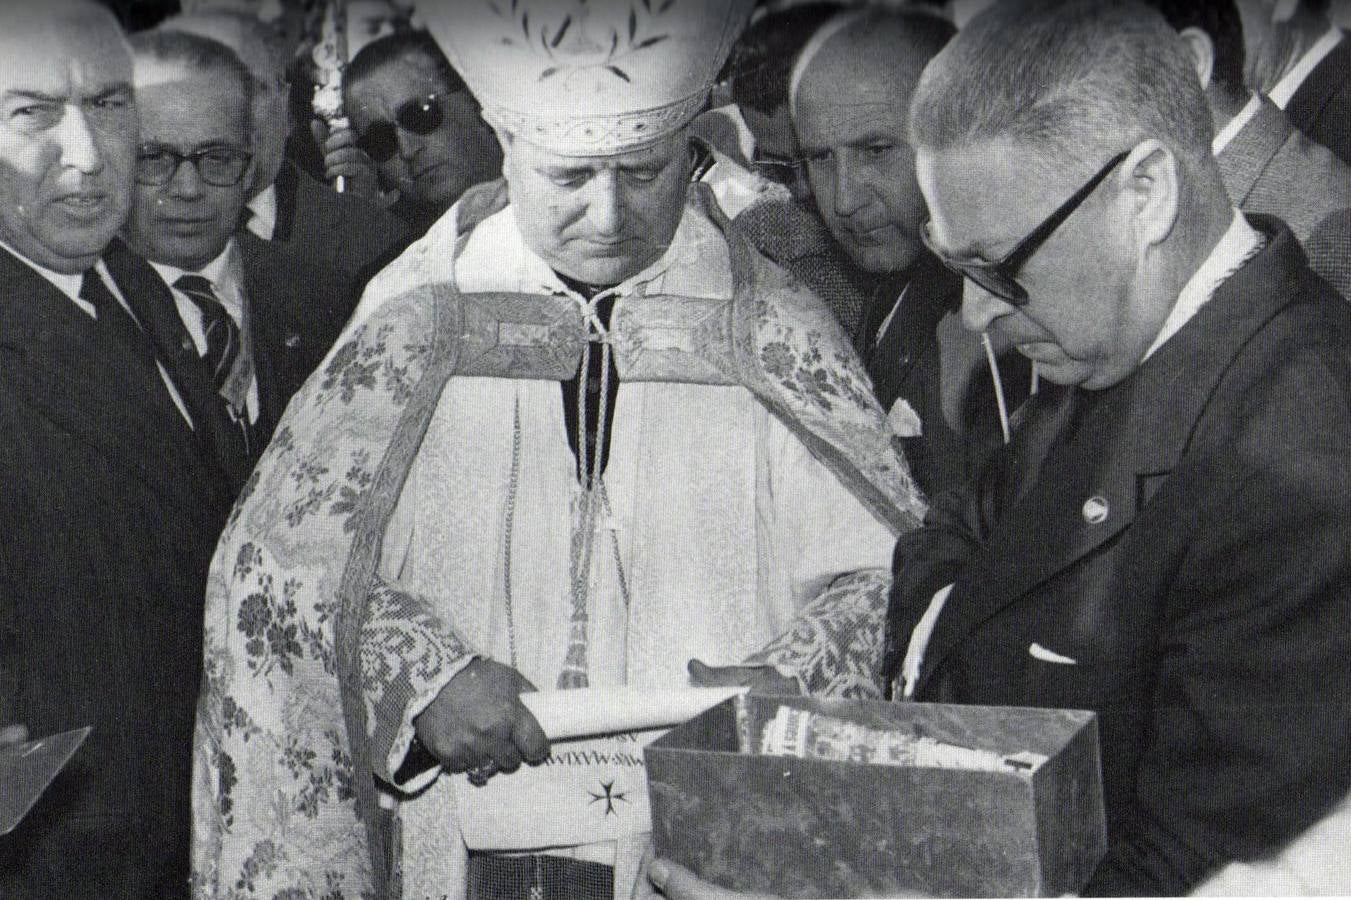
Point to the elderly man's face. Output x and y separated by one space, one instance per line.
599 219
188 221
436 145
851 129
1077 324
67 135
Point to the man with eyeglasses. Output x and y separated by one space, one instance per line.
1164 540
113 497
224 298
346 234
416 120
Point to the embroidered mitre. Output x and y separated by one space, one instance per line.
587 77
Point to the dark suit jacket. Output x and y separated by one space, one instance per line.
1270 167
299 307
1182 536
1329 249
110 511
792 234
295 311
1321 107
339 233
925 357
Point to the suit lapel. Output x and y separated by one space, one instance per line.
1247 156
92 388
153 303
261 273
286 188
1066 501
926 297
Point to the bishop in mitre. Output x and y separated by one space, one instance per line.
579 434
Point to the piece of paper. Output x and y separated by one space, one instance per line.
593 787
26 770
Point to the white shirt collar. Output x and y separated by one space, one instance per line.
263 222
1238 243
1235 125
66 284
1290 82
221 272
70 284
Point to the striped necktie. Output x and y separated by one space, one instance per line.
222 347
222 334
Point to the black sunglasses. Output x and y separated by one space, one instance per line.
1001 276
421 115
156 164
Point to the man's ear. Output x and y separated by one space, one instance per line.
1153 187
1202 51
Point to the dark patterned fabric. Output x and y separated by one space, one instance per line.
1329 249
1321 107
792 234
537 877
1270 167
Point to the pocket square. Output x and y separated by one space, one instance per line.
1037 651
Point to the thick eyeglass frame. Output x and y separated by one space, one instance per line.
224 166
786 172
1000 277
420 115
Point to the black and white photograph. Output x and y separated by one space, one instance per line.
674 449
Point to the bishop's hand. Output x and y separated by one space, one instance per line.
760 679
477 724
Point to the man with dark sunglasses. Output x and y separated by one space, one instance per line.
414 117
1164 540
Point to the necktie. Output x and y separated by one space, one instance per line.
222 334
114 321
222 344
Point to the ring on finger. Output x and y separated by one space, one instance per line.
479 775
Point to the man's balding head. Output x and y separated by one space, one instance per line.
67 131
1072 80
850 92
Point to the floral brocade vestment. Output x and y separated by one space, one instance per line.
420 506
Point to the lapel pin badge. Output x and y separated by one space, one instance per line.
292 341
1096 510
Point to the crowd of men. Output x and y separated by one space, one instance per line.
827 348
